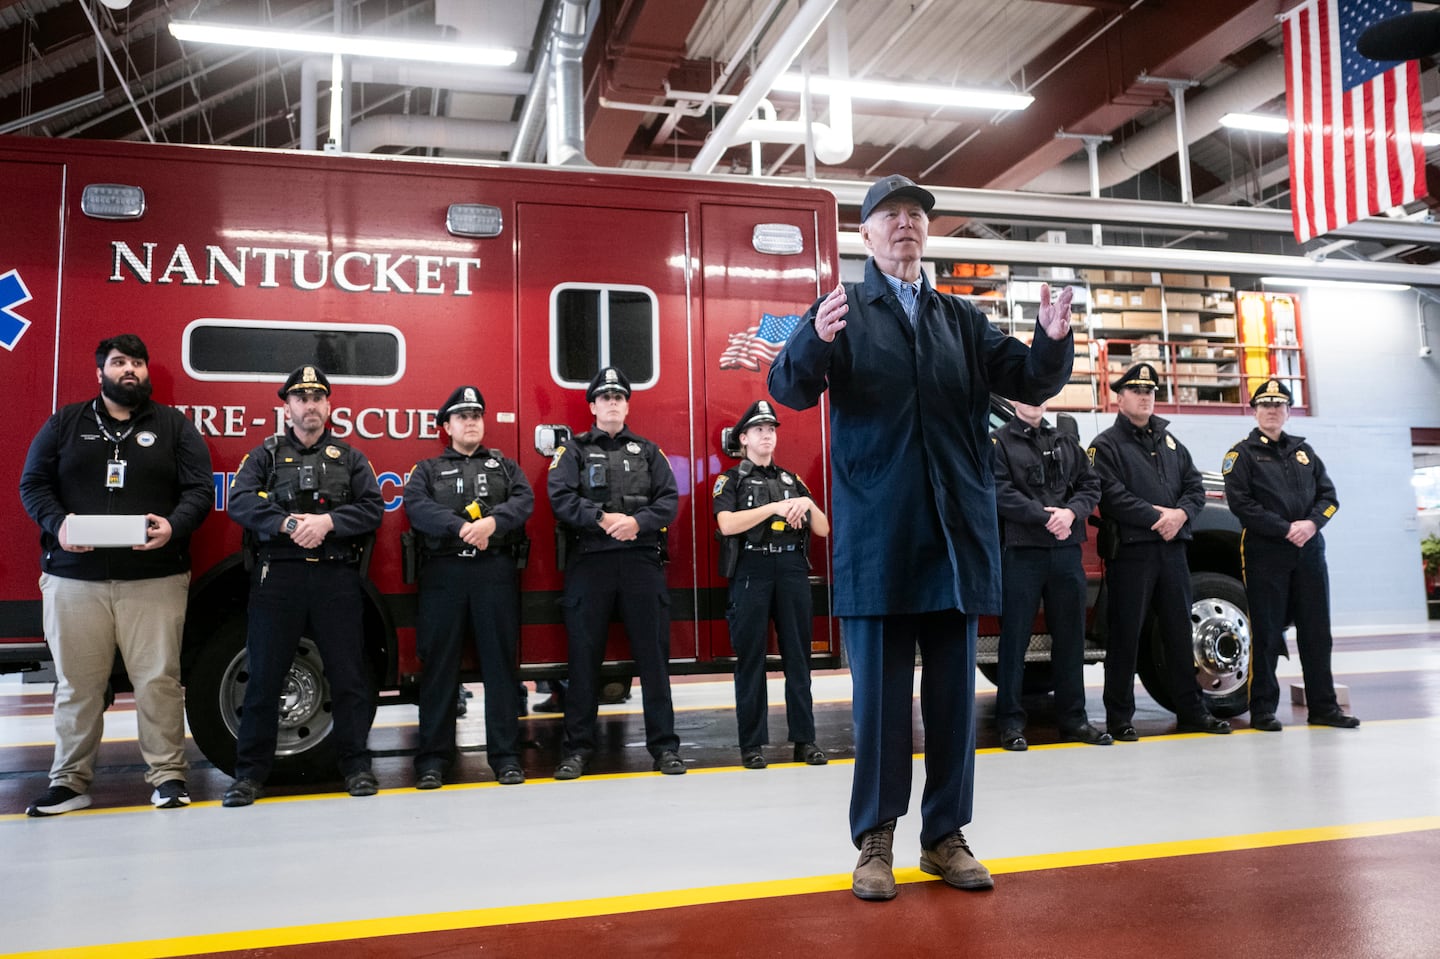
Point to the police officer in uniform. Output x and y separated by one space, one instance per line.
310 501
614 496
1045 490
1150 490
1282 495
469 504
767 515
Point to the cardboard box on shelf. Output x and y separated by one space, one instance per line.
1187 394
1093 276
1182 322
1217 279
1150 298
1103 296
1145 351
1140 320
1182 279
1117 276
1075 396
1106 321
1184 301
1218 324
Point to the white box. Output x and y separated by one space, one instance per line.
97 530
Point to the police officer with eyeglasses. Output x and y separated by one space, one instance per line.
766 515
1150 490
614 495
311 504
1278 488
469 506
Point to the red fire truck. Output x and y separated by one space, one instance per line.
402 279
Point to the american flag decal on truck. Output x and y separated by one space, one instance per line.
761 342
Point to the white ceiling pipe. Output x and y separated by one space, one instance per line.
316 70
791 43
444 133
1254 86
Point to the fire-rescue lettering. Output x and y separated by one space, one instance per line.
352 270
371 423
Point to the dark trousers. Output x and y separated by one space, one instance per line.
1145 577
881 650
770 586
324 601
596 584
476 597
1055 574
1284 585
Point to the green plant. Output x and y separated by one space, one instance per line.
1430 552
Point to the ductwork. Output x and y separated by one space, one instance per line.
789 46
568 53
315 70
527 138
833 142
1254 86
442 133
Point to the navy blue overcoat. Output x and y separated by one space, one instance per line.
914 492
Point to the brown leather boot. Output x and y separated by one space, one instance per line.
874 876
953 861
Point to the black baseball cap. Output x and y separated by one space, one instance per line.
892 186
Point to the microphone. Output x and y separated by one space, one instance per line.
1409 36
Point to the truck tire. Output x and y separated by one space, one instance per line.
1220 632
215 693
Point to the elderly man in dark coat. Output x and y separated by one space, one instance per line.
917 555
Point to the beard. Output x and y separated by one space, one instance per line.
128 395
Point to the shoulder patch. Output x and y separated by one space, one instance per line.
1230 459
1090 454
555 458
719 484
238 468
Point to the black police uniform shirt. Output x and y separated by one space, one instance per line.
1036 467
1271 483
167 472
1142 467
440 491
619 461
759 486
339 466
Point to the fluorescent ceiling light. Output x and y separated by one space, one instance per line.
917 93
1342 284
331 43
1261 123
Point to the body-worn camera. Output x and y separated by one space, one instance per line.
309 482
596 477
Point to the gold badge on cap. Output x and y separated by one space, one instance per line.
309 374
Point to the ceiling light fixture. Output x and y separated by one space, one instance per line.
1334 284
916 93
1262 123
329 43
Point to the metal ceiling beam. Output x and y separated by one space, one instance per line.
1095 89
630 56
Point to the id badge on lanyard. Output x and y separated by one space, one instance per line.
115 474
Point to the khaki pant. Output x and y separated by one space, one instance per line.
85 622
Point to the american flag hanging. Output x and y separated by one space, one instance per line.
1355 123
761 342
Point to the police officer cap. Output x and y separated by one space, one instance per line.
464 398
305 378
1140 375
759 412
1272 390
892 186
608 380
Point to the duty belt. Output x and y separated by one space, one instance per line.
770 548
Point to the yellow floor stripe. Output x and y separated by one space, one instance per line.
586 908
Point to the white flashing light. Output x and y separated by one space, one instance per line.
914 93
777 238
1334 284
329 43
474 219
112 201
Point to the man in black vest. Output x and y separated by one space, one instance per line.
1278 488
767 515
311 502
1149 492
118 453
614 495
1045 491
469 506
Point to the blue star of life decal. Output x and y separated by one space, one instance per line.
12 294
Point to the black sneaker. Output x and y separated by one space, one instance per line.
171 794
57 800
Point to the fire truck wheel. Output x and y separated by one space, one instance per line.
215 694
1220 631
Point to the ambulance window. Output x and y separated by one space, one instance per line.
600 326
260 351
